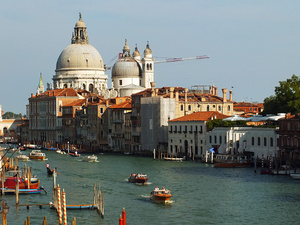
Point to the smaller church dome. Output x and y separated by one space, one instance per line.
126 67
147 51
136 52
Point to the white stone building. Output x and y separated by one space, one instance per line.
249 141
187 134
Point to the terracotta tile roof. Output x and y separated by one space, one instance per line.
201 116
191 96
79 102
57 92
245 104
123 105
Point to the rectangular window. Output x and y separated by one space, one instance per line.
120 82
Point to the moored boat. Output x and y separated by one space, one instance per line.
295 176
22 157
138 178
11 183
231 164
37 154
90 158
74 154
160 195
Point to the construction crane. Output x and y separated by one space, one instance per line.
167 60
182 59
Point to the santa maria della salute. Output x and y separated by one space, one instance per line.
80 66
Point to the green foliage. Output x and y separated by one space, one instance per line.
286 98
11 115
220 123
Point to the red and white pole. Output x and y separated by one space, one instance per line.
262 161
271 161
59 205
64 207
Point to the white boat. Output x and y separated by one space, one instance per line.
90 158
22 157
295 176
37 154
58 151
174 159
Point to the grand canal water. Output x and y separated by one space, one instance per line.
202 194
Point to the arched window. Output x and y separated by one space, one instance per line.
258 141
252 140
83 86
208 108
181 107
91 87
65 86
265 141
190 107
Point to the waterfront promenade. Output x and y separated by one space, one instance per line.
202 194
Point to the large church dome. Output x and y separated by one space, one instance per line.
126 67
77 56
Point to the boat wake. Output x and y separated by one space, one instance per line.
141 184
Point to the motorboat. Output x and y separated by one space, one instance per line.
295 176
22 157
11 183
180 159
266 171
160 195
90 158
74 154
58 151
138 178
37 154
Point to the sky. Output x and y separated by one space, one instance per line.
252 45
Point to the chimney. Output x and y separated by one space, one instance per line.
156 92
152 88
224 94
185 94
171 92
216 91
176 96
230 95
31 95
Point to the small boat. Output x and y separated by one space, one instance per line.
49 170
74 154
37 154
295 176
58 151
138 178
231 164
266 171
160 195
90 158
22 157
23 191
174 159
11 183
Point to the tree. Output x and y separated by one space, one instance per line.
286 98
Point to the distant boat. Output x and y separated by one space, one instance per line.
295 176
174 159
232 164
138 178
74 153
22 157
37 154
90 158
